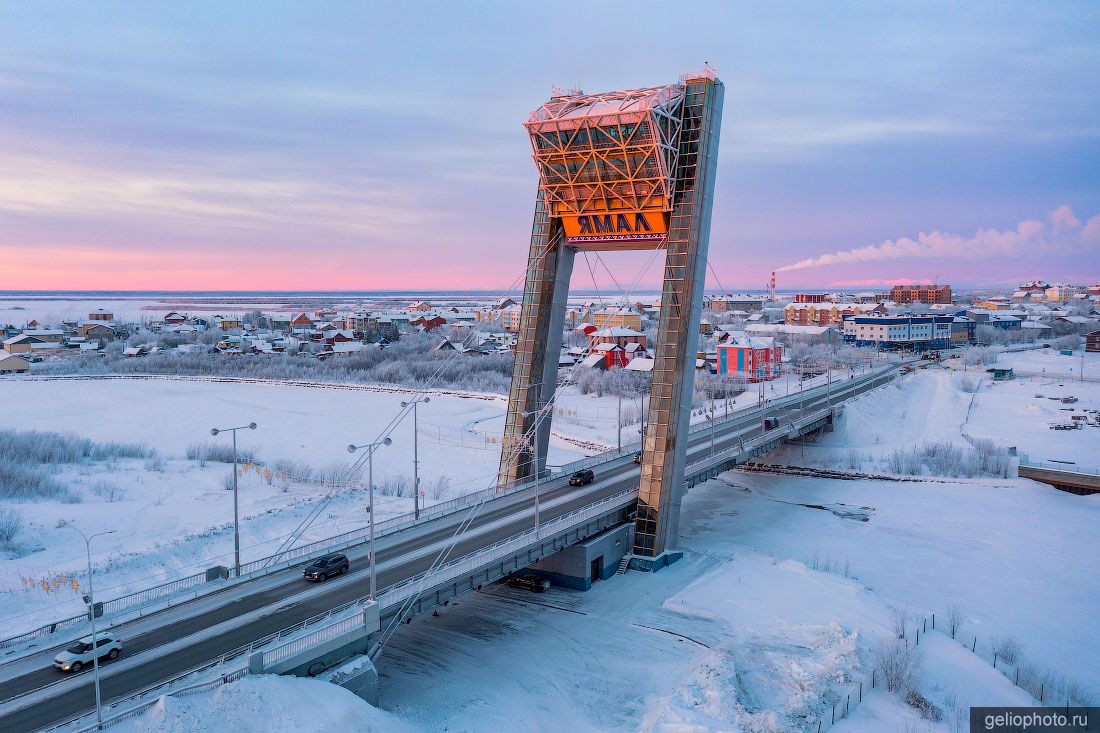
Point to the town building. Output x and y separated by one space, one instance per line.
13 364
96 330
427 321
617 316
996 303
618 335
809 334
722 303
753 358
917 332
826 313
809 298
1092 341
1059 293
509 318
100 314
301 323
927 294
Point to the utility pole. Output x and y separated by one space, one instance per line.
236 519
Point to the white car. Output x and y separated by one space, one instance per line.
80 654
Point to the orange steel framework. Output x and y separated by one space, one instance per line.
630 169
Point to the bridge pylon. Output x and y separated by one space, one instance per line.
624 170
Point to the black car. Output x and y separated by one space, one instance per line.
638 457
327 566
582 477
529 581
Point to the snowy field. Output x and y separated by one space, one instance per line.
1049 362
173 516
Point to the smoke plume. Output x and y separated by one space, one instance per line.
1062 233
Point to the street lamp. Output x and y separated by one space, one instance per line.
90 599
370 505
236 517
416 463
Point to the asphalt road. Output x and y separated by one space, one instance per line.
611 479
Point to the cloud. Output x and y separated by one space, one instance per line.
1062 233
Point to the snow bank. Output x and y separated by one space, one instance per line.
266 704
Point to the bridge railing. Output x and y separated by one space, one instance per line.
1053 466
389 597
302 643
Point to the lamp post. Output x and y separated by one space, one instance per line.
90 598
236 518
416 462
370 505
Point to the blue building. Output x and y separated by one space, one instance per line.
916 332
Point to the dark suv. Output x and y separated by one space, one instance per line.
327 566
582 477
529 581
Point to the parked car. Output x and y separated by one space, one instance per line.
529 581
82 654
582 477
327 566
770 423
638 457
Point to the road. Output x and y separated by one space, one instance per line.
400 556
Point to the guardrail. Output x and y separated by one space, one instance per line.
273 563
152 594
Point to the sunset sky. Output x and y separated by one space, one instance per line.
366 146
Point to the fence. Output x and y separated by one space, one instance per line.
1046 686
1006 656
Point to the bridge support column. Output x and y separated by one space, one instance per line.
535 372
664 447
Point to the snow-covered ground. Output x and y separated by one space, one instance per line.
743 633
175 519
1021 412
1052 363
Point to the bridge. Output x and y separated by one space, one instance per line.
270 620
